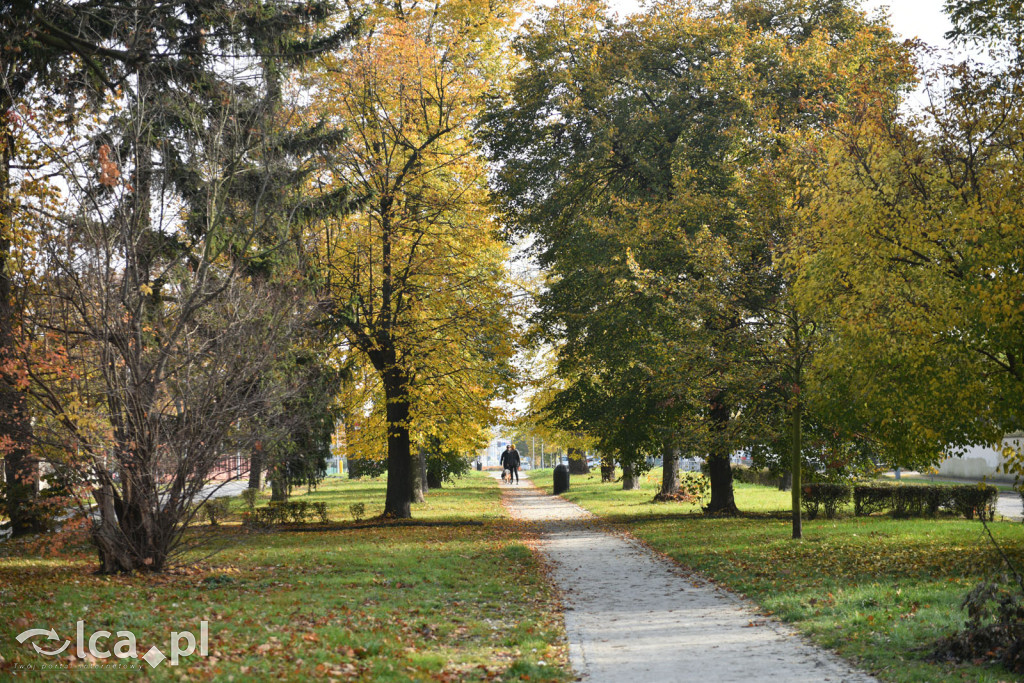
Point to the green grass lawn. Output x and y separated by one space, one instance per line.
879 591
449 603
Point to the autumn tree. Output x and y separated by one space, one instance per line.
151 302
647 158
414 281
913 250
61 49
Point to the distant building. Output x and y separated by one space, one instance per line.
978 462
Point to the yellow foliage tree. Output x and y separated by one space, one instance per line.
415 281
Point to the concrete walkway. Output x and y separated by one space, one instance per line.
1009 506
634 616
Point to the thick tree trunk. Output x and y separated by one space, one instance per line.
720 474
130 535
630 482
785 481
398 498
419 476
578 462
669 470
722 501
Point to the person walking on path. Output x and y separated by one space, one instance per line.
510 461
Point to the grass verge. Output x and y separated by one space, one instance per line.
446 603
878 591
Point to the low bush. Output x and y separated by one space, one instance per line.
925 501
249 497
215 510
321 512
974 501
285 512
824 495
994 628
867 500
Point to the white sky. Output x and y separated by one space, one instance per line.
910 18
915 19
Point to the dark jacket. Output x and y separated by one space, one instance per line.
510 459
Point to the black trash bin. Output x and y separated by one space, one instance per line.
561 479
479 466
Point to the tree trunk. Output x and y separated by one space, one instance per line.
785 481
255 468
578 462
795 464
669 470
630 482
433 481
796 438
398 498
720 474
425 484
607 469
722 501
278 489
419 477
130 535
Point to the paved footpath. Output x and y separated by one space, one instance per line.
632 615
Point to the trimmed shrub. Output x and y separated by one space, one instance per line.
867 500
925 501
259 518
974 501
287 512
320 509
824 495
215 510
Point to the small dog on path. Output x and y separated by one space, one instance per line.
506 476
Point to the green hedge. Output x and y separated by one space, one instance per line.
824 495
288 512
925 501
215 510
